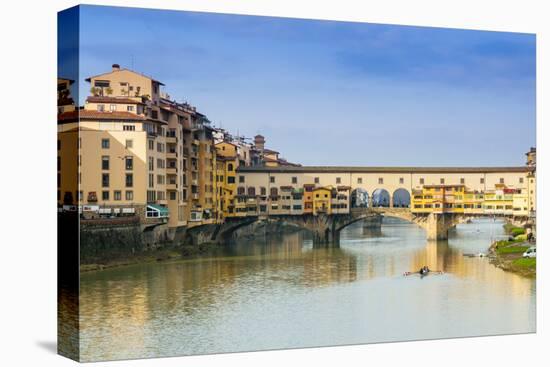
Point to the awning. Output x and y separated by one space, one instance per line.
157 210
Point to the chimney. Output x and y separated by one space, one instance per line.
259 142
116 67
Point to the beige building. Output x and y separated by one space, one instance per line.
138 151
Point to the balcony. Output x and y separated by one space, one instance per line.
195 196
196 142
172 139
170 170
172 186
171 154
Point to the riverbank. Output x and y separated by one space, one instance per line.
508 255
156 255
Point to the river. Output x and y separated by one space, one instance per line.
280 292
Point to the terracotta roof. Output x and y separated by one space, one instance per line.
97 115
107 99
269 151
89 79
355 169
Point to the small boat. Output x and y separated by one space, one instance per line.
423 274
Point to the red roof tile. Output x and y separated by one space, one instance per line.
107 99
97 115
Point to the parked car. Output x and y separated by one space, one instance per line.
531 252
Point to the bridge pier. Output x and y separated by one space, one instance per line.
437 225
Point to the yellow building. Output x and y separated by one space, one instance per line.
473 202
438 199
227 163
322 200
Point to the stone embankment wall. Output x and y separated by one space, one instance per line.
103 239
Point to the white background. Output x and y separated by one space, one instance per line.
27 179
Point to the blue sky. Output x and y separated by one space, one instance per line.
333 93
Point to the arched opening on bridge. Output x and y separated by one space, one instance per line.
401 198
381 198
359 198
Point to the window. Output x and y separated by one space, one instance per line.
105 180
338 180
59 145
241 179
251 191
421 181
160 179
316 180
105 195
102 83
151 144
129 163
151 180
105 162
59 163
129 180
129 195
501 180
105 144
274 192
101 107
401 180
112 107
130 108
462 180
128 128
272 179
263 191
160 147
129 143
240 190
380 180
359 180
294 180
482 180
230 167
231 179
172 195
521 180
442 180
117 195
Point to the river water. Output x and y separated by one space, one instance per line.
280 292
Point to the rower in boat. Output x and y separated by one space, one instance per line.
423 271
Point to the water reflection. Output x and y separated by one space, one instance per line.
280 292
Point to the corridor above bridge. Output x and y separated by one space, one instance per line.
397 186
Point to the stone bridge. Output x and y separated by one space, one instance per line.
326 228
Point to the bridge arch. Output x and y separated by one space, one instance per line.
401 198
359 198
381 198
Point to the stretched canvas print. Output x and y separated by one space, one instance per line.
234 183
